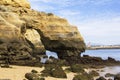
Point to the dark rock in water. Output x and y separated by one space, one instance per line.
34 71
77 68
92 60
101 78
111 59
86 56
33 76
45 56
94 73
102 71
117 77
51 57
84 76
54 71
109 75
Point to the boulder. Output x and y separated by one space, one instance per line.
34 71
111 59
77 68
54 61
83 76
109 75
92 60
101 78
117 77
94 73
58 72
54 71
33 76
4 66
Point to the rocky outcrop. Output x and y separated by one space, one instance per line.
36 32
15 3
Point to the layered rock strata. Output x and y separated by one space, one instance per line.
15 3
25 34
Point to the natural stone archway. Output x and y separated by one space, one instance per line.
32 33
69 49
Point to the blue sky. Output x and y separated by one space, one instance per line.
97 20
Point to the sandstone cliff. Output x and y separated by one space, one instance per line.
15 3
25 34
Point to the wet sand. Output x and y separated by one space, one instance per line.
109 69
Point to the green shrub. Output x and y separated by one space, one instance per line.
50 14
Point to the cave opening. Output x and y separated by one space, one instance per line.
51 53
48 55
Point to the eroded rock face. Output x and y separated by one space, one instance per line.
38 32
16 3
33 36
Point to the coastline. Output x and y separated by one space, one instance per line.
18 72
99 48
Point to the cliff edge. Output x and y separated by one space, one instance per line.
26 34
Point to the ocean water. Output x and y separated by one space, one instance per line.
104 53
49 53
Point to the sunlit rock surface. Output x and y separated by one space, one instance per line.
26 34
15 3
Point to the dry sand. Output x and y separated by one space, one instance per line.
18 72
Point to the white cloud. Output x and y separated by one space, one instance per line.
94 27
42 7
57 2
68 13
103 30
73 2
100 2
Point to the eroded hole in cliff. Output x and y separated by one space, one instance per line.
48 55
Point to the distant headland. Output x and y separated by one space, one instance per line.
95 47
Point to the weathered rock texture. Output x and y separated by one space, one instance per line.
15 3
26 33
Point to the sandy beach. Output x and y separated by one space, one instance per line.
18 72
